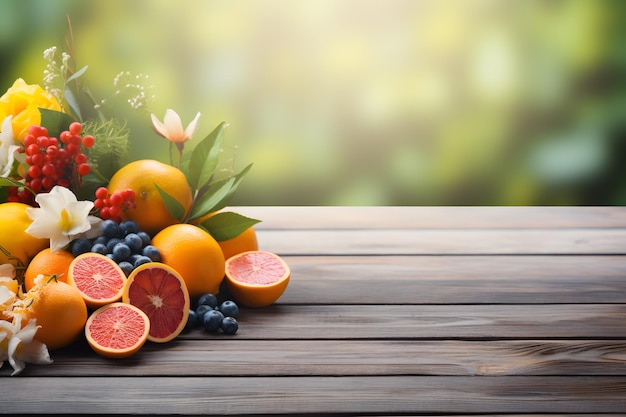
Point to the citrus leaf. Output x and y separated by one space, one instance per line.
173 206
233 188
10 182
204 158
227 225
77 74
72 102
55 121
208 201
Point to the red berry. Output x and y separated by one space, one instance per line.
43 141
116 199
64 182
47 183
104 213
88 141
128 194
34 171
32 149
102 193
35 184
76 128
81 158
83 169
52 151
65 136
115 211
30 139
48 170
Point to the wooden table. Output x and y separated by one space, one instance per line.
390 311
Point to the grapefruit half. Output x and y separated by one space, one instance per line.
99 279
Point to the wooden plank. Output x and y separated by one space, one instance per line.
455 279
316 395
325 217
224 356
445 242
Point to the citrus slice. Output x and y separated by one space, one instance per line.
160 292
117 330
99 279
257 278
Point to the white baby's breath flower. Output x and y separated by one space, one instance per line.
8 147
19 346
60 217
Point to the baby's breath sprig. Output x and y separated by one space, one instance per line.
135 89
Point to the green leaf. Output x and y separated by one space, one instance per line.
73 103
218 195
55 121
10 182
207 202
77 74
204 158
227 225
173 206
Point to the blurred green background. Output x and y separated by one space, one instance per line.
363 102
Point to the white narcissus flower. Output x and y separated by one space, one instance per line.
19 346
60 217
172 127
8 147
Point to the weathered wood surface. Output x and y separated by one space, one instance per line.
390 311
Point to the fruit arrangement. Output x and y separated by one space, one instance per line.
138 257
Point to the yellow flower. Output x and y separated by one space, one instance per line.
23 101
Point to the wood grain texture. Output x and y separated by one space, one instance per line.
445 217
456 280
320 395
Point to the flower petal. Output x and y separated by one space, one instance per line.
192 126
158 126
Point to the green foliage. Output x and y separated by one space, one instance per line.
226 225
55 121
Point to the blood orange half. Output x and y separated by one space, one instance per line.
160 292
117 330
257 278
99 279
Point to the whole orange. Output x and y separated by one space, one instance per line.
59 310
48 262
150 212
245 241
16 246
194 254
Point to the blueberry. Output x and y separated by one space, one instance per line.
110 228
99 248
80 246
134 242
152 253
128 226
101 239
229 325
202 309
133 258
120 252
127 267
229 309
145 238
110 244
208 299
192 321
212 321
142 260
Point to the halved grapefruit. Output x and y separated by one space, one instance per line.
257 278
117 330
160 292
99 279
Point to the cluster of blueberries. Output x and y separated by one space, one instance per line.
128 246
214 317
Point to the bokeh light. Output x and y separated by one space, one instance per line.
365 102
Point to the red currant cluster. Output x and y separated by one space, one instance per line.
111 206
53 162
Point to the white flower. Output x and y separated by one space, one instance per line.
8 147
19 346
60 217
172 127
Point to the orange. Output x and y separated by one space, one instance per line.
246 241
117 330
194 254
16 246
160 292
48 262
58 308
257 278
150 212
99 279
